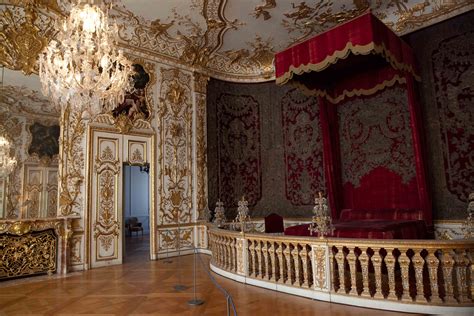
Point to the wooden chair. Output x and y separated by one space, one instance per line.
134 225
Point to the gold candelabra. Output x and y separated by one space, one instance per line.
242 214
321 223
219 214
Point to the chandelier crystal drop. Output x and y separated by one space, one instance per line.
82 65
7 163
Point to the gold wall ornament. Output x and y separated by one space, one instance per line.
261 54
71 157
305 20
28 254
262 10
174 147
23 35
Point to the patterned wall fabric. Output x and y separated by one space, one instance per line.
453 71
238 120
445 53
375 132
303 148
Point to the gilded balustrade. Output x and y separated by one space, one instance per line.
432 272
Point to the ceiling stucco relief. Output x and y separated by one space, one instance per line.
264 9
228 39
27 102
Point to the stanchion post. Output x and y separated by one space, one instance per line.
195 301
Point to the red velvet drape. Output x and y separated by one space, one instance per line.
331 154
359 57
418 147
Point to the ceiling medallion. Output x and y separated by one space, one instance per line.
23 35
82 65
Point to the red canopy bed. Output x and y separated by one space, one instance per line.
358 59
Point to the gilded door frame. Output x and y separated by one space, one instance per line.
151 136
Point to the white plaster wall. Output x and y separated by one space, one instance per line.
136 195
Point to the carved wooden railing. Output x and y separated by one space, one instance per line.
429 272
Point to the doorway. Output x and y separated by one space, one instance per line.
136 212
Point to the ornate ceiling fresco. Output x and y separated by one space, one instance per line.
229 39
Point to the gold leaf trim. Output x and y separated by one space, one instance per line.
351 93
343 54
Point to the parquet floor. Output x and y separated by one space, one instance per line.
140 286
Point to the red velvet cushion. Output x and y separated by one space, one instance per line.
376 229
274 223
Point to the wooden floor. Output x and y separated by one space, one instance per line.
140 286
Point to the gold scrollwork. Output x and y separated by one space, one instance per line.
175 124
71 159
30 253
23 35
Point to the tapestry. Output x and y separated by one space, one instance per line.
238 137
375 132
453 73
303 148
378 167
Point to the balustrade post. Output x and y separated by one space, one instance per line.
447 265
252 256
364 264
289 270
266 267
461 265
341 268
433 264
233 254
418 263
304 263
405 261
271 252
281 263
258 249
296 260
390 262
351 258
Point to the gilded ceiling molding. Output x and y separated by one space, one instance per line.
306 20
28 103
24 32
262 10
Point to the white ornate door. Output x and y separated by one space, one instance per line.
106 207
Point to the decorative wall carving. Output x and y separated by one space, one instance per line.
23 33
303 147
106 224
37 254
453 72
200 84
238 126
174 147
71 157
376 133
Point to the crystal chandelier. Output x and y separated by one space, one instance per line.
6 162
82 65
